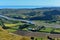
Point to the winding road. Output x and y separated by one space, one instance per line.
36 34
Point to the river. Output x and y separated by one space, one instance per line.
2 16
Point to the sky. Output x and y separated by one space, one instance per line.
41 3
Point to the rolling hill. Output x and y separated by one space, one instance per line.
46 13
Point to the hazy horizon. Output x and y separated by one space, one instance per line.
29 3
25 6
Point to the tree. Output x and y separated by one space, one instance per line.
2 24
32 38
23 26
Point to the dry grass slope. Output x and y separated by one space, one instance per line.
5 35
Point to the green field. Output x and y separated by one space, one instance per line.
48 30
14 26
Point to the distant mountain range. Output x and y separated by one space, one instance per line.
27 7
14 7
45 13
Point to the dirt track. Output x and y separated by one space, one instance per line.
36 34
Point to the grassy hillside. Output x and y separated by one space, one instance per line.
12 26
5 35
